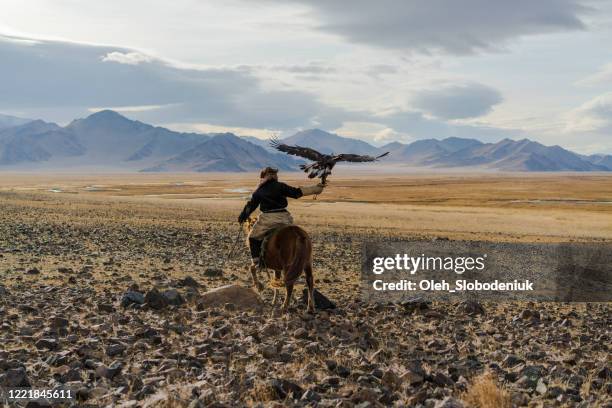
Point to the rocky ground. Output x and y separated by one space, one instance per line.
106 299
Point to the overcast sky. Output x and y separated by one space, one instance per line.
377 70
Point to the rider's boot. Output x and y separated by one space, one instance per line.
255 247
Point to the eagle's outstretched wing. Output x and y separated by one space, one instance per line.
358 158
305 152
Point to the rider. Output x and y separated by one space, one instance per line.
271 197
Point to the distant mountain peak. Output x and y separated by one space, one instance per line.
106 114
226 152
107 118
7 121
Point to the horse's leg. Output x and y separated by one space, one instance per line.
289 288
256 281
274 284
310 284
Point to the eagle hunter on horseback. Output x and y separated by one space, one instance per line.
274 241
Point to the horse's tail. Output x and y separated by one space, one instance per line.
301 256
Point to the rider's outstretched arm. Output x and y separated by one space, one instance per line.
292 192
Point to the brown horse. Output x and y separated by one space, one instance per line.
288 252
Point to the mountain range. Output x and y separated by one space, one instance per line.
505 155
107 140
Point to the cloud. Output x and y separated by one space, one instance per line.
604 75
69 76
308 69
417 126
130 58
455 27
127 109
592 116
52 76
378 70
18 40
457 101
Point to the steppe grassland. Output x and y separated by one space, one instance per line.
496 207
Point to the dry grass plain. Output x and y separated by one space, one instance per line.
510 207
72 245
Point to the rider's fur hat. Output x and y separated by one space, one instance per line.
268 170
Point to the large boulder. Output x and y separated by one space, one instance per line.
241 297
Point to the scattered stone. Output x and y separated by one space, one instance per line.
365 394
106 307
310 396
412 377
213 272
59 323
391 379
33 271
155 300
604 373
15 377
530 375
442 380
109 372
512 360
300 333
554 392
173 297
49 344
470 307
132 298
415 304
541 387
38 404
528 314
115 350
269 351
189 282
449 402
286 389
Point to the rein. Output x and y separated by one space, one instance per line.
229 255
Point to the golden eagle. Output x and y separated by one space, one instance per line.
323 163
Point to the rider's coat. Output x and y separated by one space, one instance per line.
271 198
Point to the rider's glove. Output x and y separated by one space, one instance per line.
310 190
242 218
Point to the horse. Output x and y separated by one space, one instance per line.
289 253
